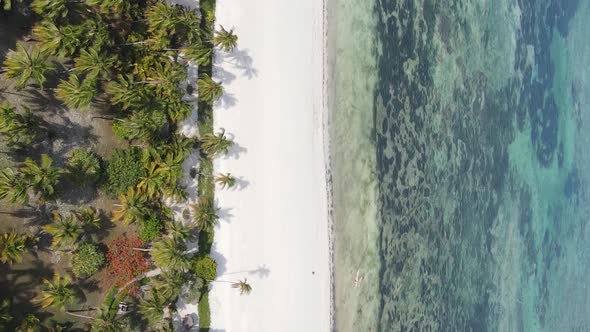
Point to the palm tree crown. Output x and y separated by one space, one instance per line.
226 40
151 307
209 90
12 247
243 286
23 65
75 93
225 180
213 144
13 187
169 254
43 178
132 208
65 231
204 214
57 293
19 130
94 64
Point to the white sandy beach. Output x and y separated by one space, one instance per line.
274 228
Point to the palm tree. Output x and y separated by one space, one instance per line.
83 166
151 183
12 247
75 93
178 231
57 293
42 178
23 65
243 286
63 41
51 9
5 316
152 306
204 214
142 124
169 284
225 180
88 216
209 90
213 144
94 64
132 208
126 92
65 231
106 319
13 187
161 18
226 40
18 130
199 53
170 254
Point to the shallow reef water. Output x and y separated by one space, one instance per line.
469 211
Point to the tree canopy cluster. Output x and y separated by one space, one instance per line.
124 60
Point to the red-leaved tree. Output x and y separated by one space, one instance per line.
124 263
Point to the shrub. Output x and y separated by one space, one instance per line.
205 267
124 263
83 166
87 260
124 170
150 228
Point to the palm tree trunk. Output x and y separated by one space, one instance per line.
78 315
143 249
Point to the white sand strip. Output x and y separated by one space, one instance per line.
274 227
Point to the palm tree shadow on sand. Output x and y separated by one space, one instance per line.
261 272
234 151
238 59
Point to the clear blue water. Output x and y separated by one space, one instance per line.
461 159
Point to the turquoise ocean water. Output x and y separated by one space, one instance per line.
461 164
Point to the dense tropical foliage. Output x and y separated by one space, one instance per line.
122 62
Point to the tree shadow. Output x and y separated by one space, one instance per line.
226 101
38 101
219 259
225 214
240 59
241 184
262 272
13 26
226 77
234 151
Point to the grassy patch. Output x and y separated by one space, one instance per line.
206 180
204 312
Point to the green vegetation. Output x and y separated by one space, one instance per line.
65 231
225 180
18 130
204 312
57 293
87 260
12 247
25 66
150 229
124 170
83 166
121 62
205 267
